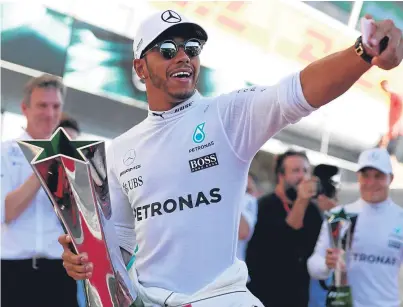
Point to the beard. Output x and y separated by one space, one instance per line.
184 95
291 190
179 95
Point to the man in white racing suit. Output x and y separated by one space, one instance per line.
177 179
373 263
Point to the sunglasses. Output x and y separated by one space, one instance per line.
169 48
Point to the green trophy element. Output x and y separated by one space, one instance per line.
341 227
339 296
59 145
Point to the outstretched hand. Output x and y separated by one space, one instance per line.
373 32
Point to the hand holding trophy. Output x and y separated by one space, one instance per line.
341 229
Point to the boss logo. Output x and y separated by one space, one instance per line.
202 163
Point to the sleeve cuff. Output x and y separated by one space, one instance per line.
292 99
300 94
317 268
249 219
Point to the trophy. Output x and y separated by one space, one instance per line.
341 228
74 177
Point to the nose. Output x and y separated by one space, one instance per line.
303 175
370 182
182 57
49 112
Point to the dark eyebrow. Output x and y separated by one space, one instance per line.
55 102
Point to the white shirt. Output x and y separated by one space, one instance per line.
177 180
375 257
35 232
249 213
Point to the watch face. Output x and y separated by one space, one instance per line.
360 51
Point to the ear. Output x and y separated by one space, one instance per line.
141 68
24 108
280 177
391 177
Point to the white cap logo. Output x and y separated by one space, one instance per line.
374 156
171 17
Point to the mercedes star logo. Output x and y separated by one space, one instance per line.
171 17
129 157
374 156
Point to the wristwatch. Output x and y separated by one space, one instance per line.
360 50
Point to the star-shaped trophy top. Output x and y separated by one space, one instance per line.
58 145
342 215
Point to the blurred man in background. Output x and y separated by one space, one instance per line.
248 218
288 225
32 271
376 253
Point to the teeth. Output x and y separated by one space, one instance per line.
181 74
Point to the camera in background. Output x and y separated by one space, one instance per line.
326 185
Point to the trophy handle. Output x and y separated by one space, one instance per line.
71 245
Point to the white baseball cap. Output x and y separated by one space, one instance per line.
157 24
377 158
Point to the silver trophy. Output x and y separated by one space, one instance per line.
74 176
341 228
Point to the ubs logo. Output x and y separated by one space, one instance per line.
133 183
129 157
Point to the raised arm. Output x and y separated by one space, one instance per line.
251 116
328 78
14 199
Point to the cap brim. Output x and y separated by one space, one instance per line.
184 30
361 168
